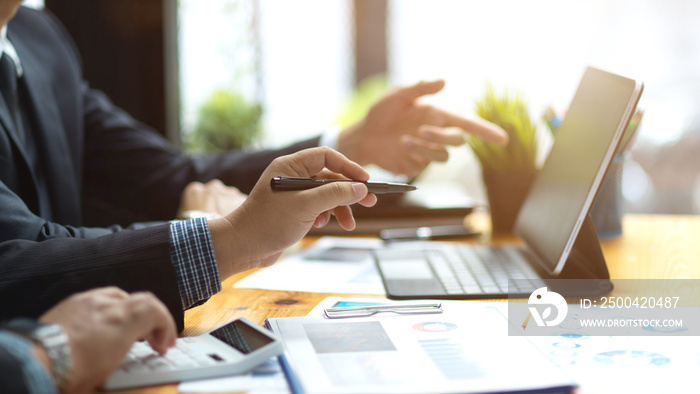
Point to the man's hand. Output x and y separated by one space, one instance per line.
268 222
103 324
404 136
213 197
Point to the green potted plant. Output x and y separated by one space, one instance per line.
508 171
226 121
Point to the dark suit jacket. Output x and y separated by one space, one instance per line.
94 158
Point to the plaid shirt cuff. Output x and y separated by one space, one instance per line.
192 252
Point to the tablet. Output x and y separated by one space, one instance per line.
566 186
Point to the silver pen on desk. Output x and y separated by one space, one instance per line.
364 311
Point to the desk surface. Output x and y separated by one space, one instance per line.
651 247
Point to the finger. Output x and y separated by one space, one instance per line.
369 200
416 163
332 195
486 130
111 292
150 319
221 189
216 183
425 150
194 187
95 300
340 164
420 89
322 219
217 188
343 215
325 174
315 159
409 164
452 136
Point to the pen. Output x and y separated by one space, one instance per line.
283 183
364 311
631 131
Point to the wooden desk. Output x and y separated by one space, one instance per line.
652 247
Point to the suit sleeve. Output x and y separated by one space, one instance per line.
127 171
127 164
17 221
42 273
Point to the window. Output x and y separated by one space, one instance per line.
541 47
293 57
297 59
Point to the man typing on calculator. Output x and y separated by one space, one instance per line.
74 346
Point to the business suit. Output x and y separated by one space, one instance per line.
93 158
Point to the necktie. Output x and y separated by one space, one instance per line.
8 88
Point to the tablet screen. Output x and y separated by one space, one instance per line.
584 145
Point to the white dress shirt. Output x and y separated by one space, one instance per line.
9 49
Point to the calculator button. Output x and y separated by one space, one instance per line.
158 364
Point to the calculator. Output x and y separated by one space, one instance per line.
234 348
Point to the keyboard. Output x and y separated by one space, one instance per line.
481 269
455 271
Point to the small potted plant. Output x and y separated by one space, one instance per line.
226 121
508 171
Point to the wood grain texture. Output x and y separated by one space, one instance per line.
655 247
651 247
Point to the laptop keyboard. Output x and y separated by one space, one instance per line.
141 358
481 269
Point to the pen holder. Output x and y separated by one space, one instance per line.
608 208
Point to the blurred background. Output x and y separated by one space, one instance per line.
278 71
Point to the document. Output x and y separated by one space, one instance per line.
465 349
331 265
266 379
626 364
647 360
